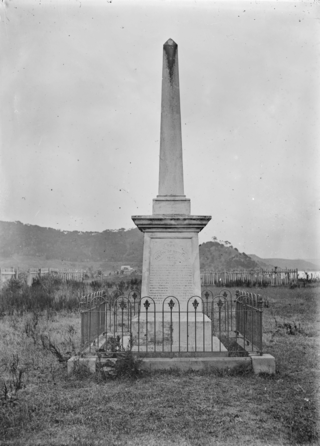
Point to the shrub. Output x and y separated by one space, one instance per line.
46 293
15 372
54 348
119 366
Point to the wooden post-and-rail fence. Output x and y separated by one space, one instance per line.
62 274
276 277
7 273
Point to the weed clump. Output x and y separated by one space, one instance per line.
52 347
14 382
81 371
128 366
124 366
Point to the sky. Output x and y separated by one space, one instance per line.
80 99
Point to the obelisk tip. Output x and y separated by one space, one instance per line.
170 42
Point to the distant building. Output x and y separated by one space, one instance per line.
126 269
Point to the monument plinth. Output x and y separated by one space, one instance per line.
171 265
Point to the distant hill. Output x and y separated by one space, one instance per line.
216 256
299 264
24 245
315 262
23 240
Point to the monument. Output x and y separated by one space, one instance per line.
171 265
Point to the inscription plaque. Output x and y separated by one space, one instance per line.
171 270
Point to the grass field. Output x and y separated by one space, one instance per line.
169 408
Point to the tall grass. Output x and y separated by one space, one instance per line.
25 353
40 404
46 293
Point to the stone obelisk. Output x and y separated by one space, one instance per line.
171 198
171 264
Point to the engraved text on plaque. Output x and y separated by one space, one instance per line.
171 270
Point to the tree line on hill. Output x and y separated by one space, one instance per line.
125 246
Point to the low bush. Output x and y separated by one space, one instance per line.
14 372
46 293
124 366
128 366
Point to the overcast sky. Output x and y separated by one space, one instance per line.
80 102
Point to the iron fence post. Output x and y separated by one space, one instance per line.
260 325
146 307
89 328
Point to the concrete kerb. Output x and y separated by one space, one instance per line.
260 364
263 364
185 364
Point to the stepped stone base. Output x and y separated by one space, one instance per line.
184 364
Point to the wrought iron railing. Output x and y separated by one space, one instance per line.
222 325
249 318
91 300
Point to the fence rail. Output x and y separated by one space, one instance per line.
222 325
253 277
8 273
62 274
